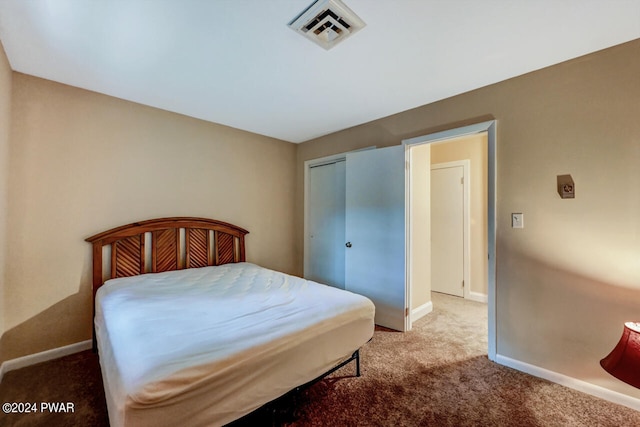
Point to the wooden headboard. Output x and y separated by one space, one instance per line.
165 244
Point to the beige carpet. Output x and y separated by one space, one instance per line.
439 375
436 375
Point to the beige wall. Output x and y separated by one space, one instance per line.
81 163
5 121
420 225
474 149
571 277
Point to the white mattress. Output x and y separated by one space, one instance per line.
205 346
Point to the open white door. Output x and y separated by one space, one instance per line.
375 231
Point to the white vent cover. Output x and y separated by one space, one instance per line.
327 22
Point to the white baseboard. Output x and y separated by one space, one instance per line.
585 387
32 359
475 296
421 311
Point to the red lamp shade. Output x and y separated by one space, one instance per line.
624 361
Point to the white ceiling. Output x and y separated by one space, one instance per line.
237 63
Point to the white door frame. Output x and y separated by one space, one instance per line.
466 224
490 127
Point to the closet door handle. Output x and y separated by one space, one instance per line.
348 244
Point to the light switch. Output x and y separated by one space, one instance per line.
517 220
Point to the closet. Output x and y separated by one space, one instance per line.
326 223
355 228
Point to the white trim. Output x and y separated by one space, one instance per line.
408 318
490 127
466 225
44 356
478 297
421 311
570 382
451 133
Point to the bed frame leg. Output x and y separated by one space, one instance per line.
355 356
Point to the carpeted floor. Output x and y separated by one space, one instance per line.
436 375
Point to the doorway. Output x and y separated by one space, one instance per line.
422 150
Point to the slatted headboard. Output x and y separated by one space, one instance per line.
166 244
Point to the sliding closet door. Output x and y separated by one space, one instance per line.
326 226
375 231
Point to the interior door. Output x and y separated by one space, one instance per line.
327 224
447 230
375 231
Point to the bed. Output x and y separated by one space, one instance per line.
189 333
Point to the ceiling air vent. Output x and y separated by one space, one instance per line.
327 22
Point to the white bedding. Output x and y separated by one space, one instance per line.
205 346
